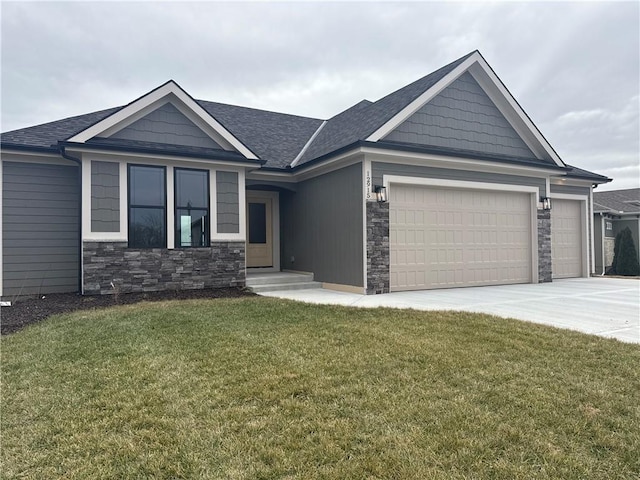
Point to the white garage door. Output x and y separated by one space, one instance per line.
566 238
443 238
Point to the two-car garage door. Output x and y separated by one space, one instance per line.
453 237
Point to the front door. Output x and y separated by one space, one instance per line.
259 231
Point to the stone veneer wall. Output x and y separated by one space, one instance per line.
544 246
147 270
609 248
377 248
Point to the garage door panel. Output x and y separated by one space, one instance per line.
455 237
566 238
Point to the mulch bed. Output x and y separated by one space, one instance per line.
27 311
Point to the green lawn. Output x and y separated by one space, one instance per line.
264 388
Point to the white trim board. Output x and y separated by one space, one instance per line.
436 182
306 145
169 92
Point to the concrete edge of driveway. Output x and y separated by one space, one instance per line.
607 307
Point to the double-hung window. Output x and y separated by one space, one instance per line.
192 207
147 207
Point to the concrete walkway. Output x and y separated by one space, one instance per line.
609 307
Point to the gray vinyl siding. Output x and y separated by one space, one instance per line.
322 227
40 214
167 125
462 116
105 197
569 189
228 202
380 169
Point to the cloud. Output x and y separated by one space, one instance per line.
574 67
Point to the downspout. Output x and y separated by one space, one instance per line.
602 237
66 156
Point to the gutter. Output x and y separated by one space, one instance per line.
66 156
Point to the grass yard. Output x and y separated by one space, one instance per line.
264 388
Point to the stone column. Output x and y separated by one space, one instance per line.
377 247
544 246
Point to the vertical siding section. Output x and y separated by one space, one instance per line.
228 206
40 214
322 227
462 116
167 125
105 197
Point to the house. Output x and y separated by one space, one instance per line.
443 183
614 211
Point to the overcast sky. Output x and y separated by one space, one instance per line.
574 67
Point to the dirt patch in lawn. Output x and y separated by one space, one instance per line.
26 311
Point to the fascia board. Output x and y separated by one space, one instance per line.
150 100
410 109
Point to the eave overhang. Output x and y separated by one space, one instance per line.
217 156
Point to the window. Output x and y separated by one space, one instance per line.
192 207
608 225
147 207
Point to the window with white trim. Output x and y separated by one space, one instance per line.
147 206
192 207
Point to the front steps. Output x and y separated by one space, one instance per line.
278 281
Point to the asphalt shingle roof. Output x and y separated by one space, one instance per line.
276 138
618 201
361 120
48 134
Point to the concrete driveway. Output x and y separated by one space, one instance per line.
609 307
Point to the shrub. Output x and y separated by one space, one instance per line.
625 256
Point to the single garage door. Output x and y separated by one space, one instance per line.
566 238
443 238
39 228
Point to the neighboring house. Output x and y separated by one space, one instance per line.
613 211
169 192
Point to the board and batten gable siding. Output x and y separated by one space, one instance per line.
40 228
105 196
167 125
228 202
322 227
462 116
379 169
